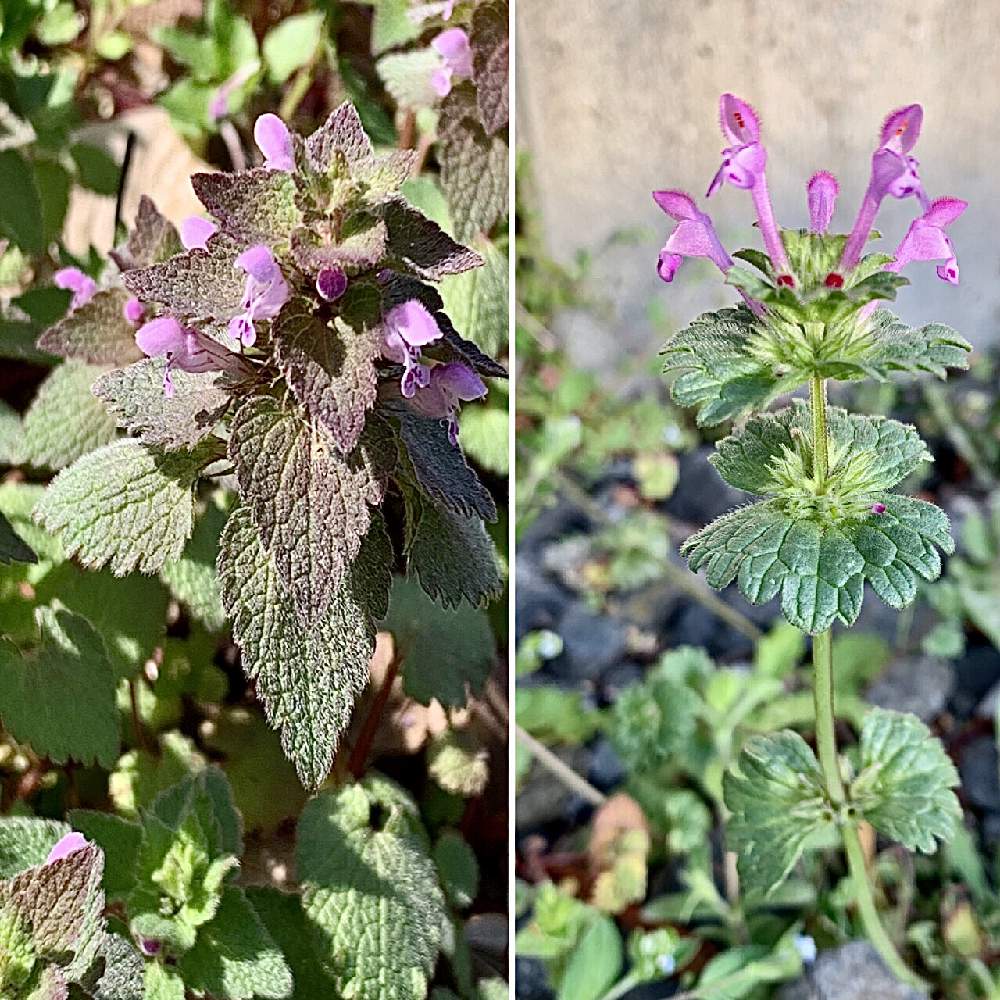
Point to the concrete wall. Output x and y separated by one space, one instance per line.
618 97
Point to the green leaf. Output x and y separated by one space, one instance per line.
235 958
119 839
476 301
904 785
392 25
775 793
458 868
418 245
65 421
12 547
26 841
192 579
162 983
820 571
473 165
330 369
70 676
444 651
21 208
285 921
310 506
595 963
307 678
371 891
124 504
458 764
555 715
123 974
291 44
440 469
136 399
251 205
54 183
141 775
97 333
95 169
490 62
453 557
17 951
407 77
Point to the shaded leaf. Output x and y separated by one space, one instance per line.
97 333
422 246
490 61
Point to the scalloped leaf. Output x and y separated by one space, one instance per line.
124 504
60 698
135 397
97 333
371 891
153 239
905 781
311 506
419 245
775 795
256 206
330 369
818 570
307 678
25 841
490 45
65 420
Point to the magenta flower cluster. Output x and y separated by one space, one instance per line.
894 172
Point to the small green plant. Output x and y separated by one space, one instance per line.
828 523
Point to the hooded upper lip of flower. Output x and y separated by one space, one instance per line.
821 194
195 232
275 142
74 280
694 235
743 165
926 239
894 172
449 385
453 47
66 846
410 326
265 292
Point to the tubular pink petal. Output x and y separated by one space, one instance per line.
163 335
259 263
68 845
677 204
133 310
413 323
459 380
668 264
901 128
821 194
195 232
739 121
82 285
945 211
275 142
441 81
453 46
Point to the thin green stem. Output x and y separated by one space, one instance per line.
826 738
869 912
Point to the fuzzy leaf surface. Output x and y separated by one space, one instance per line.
473 165
256 206
119 839
372 895
153 238
342 133
307 678
311 506
441 469
453 557
775 794
97 333
65 421
26 841
445 651
490 61
135 398
123 972
330 369
819 571
422 246
61 698
125 505
904 785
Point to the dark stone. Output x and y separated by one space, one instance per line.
619 677
554 522
539 603
980 771
702 494
656 990
591 644
921 685
531 981
975 673
695 625
606 770
543 802
853 971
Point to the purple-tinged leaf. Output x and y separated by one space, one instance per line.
341 133
97 333
490 43
422 246
153 239
361 249
253 205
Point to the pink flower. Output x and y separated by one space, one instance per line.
821 193
68 845
218 105
133 311
926 239
265 292
187 349
894 172
449 385
456 54
409 327
74 280
694 235
195 232
275 142
743 165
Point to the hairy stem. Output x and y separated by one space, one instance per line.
826 739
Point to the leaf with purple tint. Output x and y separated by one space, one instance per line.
341 133
362 248
97 333
419 245
153 239
252 205
490 42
